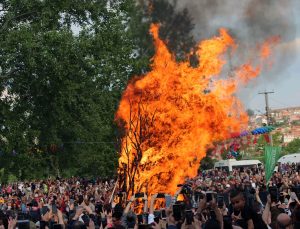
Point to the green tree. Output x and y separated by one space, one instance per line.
250 112
207 163
176 26
64 65
293 146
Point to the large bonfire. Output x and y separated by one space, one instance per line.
171 114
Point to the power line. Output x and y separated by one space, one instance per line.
279 102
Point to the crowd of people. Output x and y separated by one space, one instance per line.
214 199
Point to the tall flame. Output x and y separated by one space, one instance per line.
175 111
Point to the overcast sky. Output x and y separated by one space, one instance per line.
286 87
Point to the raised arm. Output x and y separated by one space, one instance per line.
266 216
129 204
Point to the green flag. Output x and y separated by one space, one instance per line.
271 156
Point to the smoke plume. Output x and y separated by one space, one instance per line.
250 22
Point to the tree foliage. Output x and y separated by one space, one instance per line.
64 65
207 163
176 26
250 112
293 146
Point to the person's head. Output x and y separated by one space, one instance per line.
119 208
78 225
283 221
116 218
130 219
296 214
292 206
212 224
237 199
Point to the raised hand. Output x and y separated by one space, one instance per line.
12 223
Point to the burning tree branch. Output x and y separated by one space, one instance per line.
139 130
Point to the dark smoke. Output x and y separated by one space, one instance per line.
268 17
250 22
257 19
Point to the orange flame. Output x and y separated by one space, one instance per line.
175 111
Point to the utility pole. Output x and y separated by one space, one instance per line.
266 93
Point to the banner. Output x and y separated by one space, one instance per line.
272 154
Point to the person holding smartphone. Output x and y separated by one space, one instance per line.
208 212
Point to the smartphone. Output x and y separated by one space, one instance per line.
160 195
157 214
140 219
44 210
198 196
209 196
98 208
274 194
104 222
177 212
23 224
156 220
139 195
57 226
212 214
220 200
144 226
168 199
189 217
43 224
86 219
54 209
163 214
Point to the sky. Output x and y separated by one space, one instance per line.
286 86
